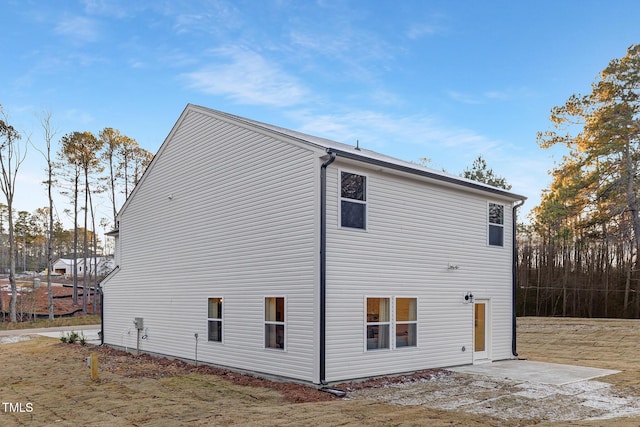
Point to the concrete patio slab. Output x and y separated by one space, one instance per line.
535 372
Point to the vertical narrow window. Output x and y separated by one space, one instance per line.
496 224
378 323
406 322
215 319
274 322
353 200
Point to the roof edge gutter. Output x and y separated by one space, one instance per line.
323 263
514 277
427 174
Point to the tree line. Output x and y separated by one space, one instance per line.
30 234
579 255
81 166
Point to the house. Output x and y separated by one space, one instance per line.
64 266
262 249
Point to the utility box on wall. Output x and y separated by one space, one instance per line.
138 323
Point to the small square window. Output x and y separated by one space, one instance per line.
353 186
353 214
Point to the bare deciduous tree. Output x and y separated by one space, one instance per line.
49 134
11 157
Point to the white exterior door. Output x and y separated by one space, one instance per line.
481 330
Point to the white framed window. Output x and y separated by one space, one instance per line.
391 323
378 323
496 224
214 319
406 322
353 200
274 322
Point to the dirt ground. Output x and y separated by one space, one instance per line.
44 382
32 301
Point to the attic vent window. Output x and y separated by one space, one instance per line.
353 200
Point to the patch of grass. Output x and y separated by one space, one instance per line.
73 337
46 323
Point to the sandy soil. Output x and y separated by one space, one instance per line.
141 391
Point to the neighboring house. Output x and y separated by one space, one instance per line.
64 266
262 249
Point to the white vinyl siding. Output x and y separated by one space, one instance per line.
223 210
415 230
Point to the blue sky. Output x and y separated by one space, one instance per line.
447 80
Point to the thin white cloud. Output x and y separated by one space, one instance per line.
491 95
137 63
346 50
384 97
379 130
105 8
429 26
247 78
499 95
464 98
213 16
175 58
85 60
76 116
350 44
323 44
418 31
78 28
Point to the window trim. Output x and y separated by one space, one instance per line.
392 323
212 319
266 322
404 322
364 202
491 224
389 323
